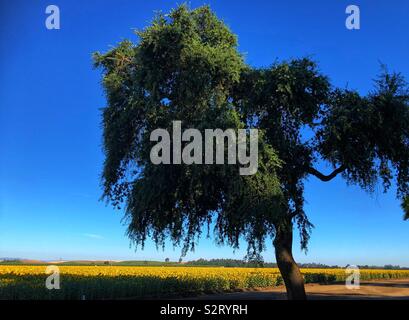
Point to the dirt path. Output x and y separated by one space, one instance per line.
379 289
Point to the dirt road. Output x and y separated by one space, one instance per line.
380 289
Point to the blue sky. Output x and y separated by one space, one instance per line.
50 133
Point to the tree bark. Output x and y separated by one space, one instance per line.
324 177
293 279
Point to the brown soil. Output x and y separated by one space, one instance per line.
377 289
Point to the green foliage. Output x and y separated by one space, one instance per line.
230 263
369 135
405 207
186 67
282 100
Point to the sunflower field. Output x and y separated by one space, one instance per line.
119 282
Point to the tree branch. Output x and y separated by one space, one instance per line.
324 177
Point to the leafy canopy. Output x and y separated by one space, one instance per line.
186 67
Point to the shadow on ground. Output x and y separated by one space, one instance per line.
369 290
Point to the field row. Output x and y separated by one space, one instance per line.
109 282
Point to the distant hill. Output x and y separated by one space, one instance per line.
193 263
20 261
119 263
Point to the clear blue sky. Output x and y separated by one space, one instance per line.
50 133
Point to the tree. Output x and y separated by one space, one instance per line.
167 260
186 67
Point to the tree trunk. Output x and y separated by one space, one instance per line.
294 281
